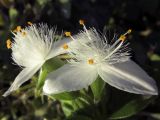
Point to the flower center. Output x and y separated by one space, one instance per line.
65 46
90 61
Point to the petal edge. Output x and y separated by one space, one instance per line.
128 76
22 77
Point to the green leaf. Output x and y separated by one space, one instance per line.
66 95
97 88
52 64
154 57
1 20
74 104
42 76
49 66
132 107
13 13
70 107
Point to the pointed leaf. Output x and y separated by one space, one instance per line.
131 108
49 66
66 95
72 107
97 88
53 64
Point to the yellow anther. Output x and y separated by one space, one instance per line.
122 37
81 22
90 61
129 31
23 33
18 28
65 46
9 43
68 34
29 23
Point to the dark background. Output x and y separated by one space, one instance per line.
111 16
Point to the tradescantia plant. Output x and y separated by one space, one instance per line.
32 46
97 57
80 84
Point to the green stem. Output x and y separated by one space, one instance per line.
41 79
40 82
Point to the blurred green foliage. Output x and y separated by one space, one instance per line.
143 16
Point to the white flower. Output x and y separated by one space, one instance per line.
97 57
32 46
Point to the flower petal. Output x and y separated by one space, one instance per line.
22 77
128 76
57 48
69 78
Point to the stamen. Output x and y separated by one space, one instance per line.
68 34
65 46
81 22
19 28
29 23
90 61
9 43
129 31
122 37
23 33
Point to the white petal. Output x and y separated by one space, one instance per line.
22 77
128 76
69 78
57 48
